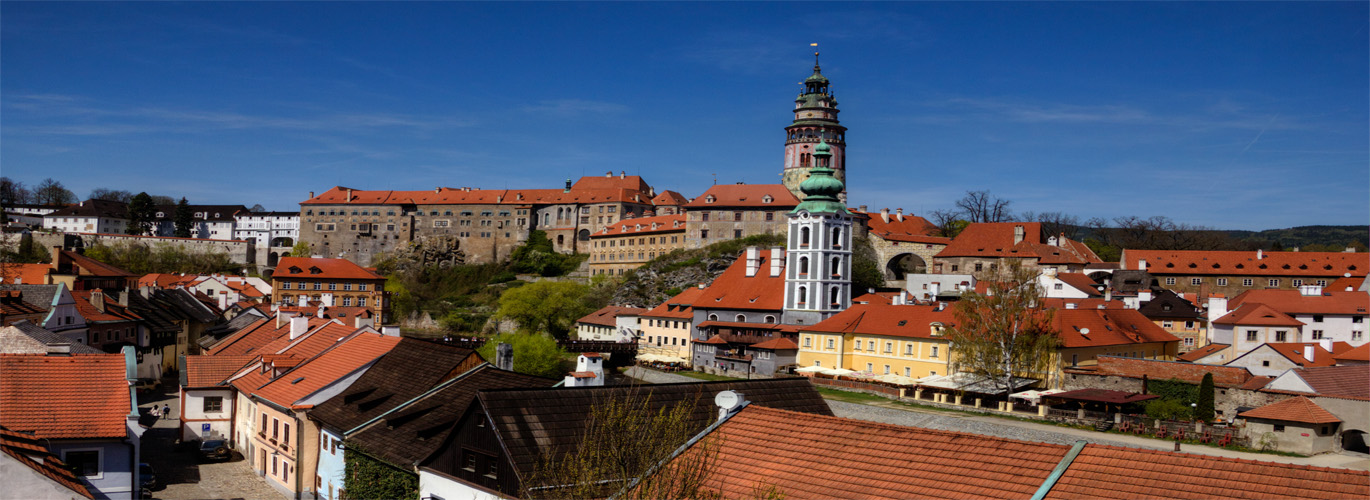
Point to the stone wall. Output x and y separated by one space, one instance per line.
1226 400
238 251
887 250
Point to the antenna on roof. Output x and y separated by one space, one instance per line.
715 178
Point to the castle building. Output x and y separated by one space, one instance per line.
818 277
815 121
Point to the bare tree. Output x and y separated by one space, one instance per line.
51 192
949 222
111 195
1054 223
1006 332
980 206
12 192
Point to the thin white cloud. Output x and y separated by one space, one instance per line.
571 107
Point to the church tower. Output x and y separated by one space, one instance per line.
815 120
818 262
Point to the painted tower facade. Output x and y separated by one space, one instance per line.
815 120
819 259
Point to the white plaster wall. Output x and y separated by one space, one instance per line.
435 486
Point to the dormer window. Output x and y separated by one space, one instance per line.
295 270
315 270
709 199
767 199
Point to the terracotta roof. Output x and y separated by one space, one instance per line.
1351 381
1344 283
1202 352
886 319
248 339
91 267
24 274
1237 263
1118 366
610 181
776 344
306 267
1295 409
467 196
1081 282
735 290
1257 314
31 452
1106 327
161 280
410 369
1256 383
669 198
995 239
1294 302
65 397
912 228
744 195
1063 303
1103 396
715 340
606 315
1361 353
203 370
12 304
677 307
113 313
1295 353
644 226
320 371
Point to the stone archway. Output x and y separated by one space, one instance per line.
1354 441
272 259
584 235
903 265
282 242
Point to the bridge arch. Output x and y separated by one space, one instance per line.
904 264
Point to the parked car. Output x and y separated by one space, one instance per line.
148 477
147 385
215 449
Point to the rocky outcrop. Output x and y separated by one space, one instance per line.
443 251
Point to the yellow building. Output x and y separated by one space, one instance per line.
1087 334
880 338
666 328
630 243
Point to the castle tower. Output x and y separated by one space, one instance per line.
815 120
818 260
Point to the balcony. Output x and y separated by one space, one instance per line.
733 356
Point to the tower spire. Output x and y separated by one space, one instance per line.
815 121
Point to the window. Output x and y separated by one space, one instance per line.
285 285
1167 324
1317 318
1281 336
857 346
889 348
908 349
1250 335
1170 281
808 341
1189 325
84 462
213 404
829 343
347 286
1189 341
1222 281
275 428
934 351
286 433
332 286
361 301
1279 427
870 367
1322 282
361 287
1274 282
1058 286
1317 335
1297 283
1247 282
1196 281
1074 360
887 369
908 372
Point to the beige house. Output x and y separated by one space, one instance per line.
666 328
630 243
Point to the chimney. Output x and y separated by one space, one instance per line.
753 260
390 331
97 299
1052 241
504 356
861 209
223 300
298 325
59 349
1259 254
1326 344
349 195
899 214
1141 264
123 298
609 174
776 260
311 195
1308 352
1019 234
1143 296
885 214
622 174
1108 290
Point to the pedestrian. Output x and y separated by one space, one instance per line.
166 411
156 411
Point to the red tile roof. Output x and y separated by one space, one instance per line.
1237 263
1081 282
1345 284
1118 366
1361 353
669 198
1106 327
1256 383
24 274
1202 352
610 181
1350 382
65 397
1295 353
744 195
305 267
644 226
328 367
113 313
203 370
1257 314
678 307
92 267
886 319
911 229
995 240
776 344
1295 409
586 191
735 290
715 340
29 451
1094 303
606 315
1294 302
250 337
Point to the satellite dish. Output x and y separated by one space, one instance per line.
1084 331
727 400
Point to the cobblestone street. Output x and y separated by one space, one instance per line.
180 472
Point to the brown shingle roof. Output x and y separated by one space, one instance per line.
1295 409
1118 366
411 368
1350 381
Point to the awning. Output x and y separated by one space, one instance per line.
837 372
810 369
972 383
1103 396
1034 396
897 379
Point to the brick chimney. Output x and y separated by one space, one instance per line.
97 299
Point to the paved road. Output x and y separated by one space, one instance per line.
1030 431
180 472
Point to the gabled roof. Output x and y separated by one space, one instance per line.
1202 352
669 198
24 274
410 369
1294 302
93 208
900 227
1351 381
561 414
87 265
1064 303
1361 354
202 370
37 295
643 226
1295 353
1295 409
314 374
725 196
605 316
735 290
1168 305
413 432
808 456
24 337
1081 282
32 452
875 318
1258 315
113 313
12 303
1346 284
307 267
776 344
610 181
65 397
1238 263
1119 366
679 307
1106 327
254 335
995 240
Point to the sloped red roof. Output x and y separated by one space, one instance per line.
1344 283
1257 314
912 228
1202 352
1361 353
1295 353
1238 263
744 195
1294 302
1103 396
113 313
1295 409
203 370
607 314
735 290
1092 303
64 397
466 196
886 319
250 337
995 239
29 451
669 198
1256 383
678 307
94 267
1106 327
715 340
24 274
307 267
1350 381
643 226
610 181
1119 366
1081 282
313 375
777 344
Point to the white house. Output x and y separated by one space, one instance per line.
90 216
1338 316
589 371
63 318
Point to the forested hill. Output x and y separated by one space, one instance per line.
1308 238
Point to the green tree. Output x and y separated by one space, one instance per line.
546 306
301 249
141 213
1204 410
183 219
1006 332
865 265
368 477
534 354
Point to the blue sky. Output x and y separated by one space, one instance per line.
1227 114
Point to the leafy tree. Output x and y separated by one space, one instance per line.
12 192
183 219
1006 332
550 307
51 192
979 206
368 477
141 214
161 258
1204 410
865 266
111 195
301 249
534 354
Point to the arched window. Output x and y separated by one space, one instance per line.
837 267
803 266
713 317
741 318
804 236
770 319
803 295
837 237
835 293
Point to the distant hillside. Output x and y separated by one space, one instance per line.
1308 238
